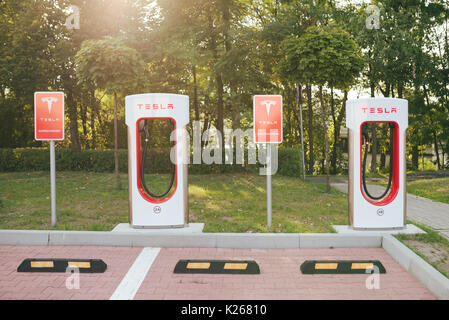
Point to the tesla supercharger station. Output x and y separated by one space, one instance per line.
147 209
366 209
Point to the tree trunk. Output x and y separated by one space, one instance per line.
400 90
220 116
298 114
92 129
383 160
442 154
337 125
195 95
295 112
326 140
205 128
73 116
92 119
119 184
218 82
435 140
415 157
422 158
310 128
83 111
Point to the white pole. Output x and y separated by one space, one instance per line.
53 182
269 186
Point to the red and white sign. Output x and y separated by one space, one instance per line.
267 114
49 115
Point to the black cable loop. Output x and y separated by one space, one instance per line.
390 176
142 167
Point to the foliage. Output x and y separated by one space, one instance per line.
109 64
221 53
323 55
37 159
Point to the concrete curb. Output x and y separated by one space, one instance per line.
205 240
427 275
24 237
335 240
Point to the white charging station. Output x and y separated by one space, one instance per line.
387 211
145 209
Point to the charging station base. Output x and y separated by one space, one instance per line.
409 229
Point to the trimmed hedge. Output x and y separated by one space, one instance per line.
38 159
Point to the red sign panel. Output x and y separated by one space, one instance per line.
267 112
49 115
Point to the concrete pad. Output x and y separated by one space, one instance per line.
409 229
191 228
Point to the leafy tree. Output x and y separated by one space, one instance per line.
30 32
111 66
324 56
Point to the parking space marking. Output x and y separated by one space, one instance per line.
130 284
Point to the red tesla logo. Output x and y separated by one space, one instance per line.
155 106
380 110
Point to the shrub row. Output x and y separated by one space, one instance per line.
38 159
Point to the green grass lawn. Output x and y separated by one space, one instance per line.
225 203
435 189
432 247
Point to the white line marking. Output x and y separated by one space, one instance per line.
129 285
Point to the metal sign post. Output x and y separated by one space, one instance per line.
269 203
53 182
49 126
267 114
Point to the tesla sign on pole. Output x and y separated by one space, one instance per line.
267 119
267 115
49 125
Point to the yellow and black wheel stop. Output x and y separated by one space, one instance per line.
342 267
61 265
217 267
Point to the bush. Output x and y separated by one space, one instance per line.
38 159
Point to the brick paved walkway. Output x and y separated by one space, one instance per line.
49 286
428 212
280 276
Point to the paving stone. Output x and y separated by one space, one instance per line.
280 277
53 285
